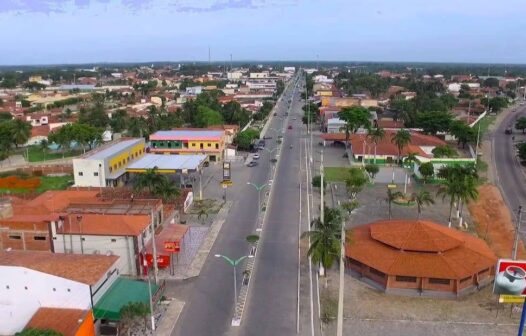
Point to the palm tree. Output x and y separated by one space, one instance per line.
467 192
166 189
376 135
20 131
391 196
44 147
149 180
422 198
401 139
325 238
411 158
451 188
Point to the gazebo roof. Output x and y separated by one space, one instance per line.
419 248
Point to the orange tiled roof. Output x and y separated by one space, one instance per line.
64 321
53 201
84 268
105 225
419 248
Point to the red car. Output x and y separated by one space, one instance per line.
290 126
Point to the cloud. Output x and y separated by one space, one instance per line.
62 6
219 5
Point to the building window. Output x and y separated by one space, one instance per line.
201 145
209 145
217 146
81 174
193 145
95 174
83 239
111 169
15 237
39 238
54 289
376 272
113 240
7 287
401 278
69 290
438 281
25 287
169 144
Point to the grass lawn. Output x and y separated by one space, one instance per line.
46 183
36 154
484 124
336 174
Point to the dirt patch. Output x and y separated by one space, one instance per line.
494 222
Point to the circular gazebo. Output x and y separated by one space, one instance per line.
418 257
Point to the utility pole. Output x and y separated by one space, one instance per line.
322 205
154 248
517 228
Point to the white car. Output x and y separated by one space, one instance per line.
256 156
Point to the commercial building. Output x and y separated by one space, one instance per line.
42 289
106 166
122 235
189 141
419 257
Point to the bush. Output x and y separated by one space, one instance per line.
316 182
444 151
329 307
372 169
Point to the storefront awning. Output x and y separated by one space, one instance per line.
122 292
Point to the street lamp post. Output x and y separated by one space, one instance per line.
270 151
258 189
234 263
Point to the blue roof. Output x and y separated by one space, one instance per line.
168 162
76 86
113 149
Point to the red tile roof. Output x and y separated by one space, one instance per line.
83 268
64 321
419 248
105 225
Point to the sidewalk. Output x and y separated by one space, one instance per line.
169 318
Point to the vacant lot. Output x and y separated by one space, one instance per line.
46 183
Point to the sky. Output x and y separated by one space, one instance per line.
86 31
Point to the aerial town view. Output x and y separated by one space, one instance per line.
262 167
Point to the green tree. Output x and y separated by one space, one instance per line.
422 198
401 139
391 196
5 116
44 147
316 182
149 180
372 169
325 238
521 124
491 82
354 117
427 170
444 151
137 127
463 133
119 121
166 190
244 139
522 151
20 131
96 115
410 159
311 113
450 188
376 135
38 332
207 117
355 182
434 122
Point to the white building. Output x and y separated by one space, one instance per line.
289 69
335 125
194 90
33 280
234 75
106 166
122 235
263 74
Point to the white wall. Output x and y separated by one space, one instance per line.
18 304
122 246
88 167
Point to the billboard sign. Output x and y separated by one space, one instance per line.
510 277
172 246
226 171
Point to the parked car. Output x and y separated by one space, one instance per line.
508 130
252 164
290 126
256 156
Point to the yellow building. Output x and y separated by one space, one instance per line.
189 141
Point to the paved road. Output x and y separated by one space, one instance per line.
509 173
272 301
210 298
